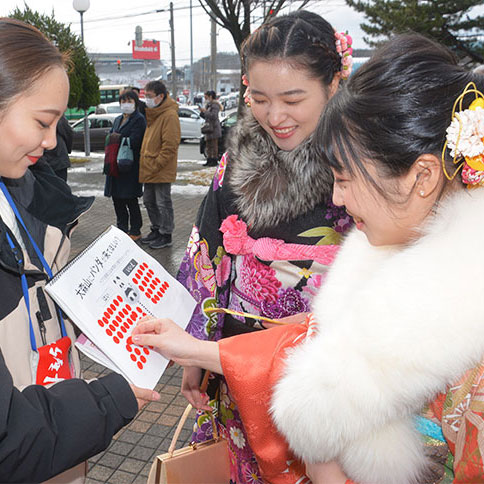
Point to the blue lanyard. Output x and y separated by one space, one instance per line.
25 288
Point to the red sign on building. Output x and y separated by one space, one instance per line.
149 50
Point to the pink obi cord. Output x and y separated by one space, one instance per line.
237 242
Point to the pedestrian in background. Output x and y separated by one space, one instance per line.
158 163
43 430
58 157
211 129
125 189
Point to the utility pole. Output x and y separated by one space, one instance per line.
173 63
213 55
191 54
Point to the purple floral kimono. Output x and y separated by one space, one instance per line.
275 274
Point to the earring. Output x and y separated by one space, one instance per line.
247 104
422 193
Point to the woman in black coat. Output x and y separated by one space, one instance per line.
125 189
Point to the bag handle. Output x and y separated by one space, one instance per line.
183 418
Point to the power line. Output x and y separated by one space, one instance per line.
131 15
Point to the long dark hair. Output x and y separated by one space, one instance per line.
396 107
25 54
302 38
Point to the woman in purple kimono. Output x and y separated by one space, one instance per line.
267 231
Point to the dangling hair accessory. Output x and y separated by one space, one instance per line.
465 139
344 49
245 82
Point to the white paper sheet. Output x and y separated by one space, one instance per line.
107 289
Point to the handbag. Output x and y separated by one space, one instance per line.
111 148
125 156
199 463
206 128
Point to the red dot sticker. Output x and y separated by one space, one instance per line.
155 299
110 311
146 351
143 359
112 327
137 351
120 335
157 280
149 291
139 309
142 288
128 347
124 329
144 265
105 320
152 287
144 283
135 280
116 340
128 307
127 323
109 332
125 311
118 318
140 365
113 306
106 315
133 357
100 323
129 341
120 299
150 272
116 302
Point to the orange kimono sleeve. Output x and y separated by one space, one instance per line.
252 363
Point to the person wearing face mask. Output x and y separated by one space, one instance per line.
125 189
158 163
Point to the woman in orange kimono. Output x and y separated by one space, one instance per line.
384 383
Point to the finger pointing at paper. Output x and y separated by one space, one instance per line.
175 344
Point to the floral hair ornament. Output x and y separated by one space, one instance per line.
465 139
344 49
245 82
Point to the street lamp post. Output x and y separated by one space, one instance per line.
81 6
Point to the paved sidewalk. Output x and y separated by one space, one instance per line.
128 459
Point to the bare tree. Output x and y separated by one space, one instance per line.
236 17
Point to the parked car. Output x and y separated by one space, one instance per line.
99 127
108 108
227 123
190 122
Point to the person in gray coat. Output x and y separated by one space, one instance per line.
212 129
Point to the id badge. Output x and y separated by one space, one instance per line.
53 362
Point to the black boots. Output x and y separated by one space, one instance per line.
211 162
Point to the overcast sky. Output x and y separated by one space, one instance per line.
104 31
